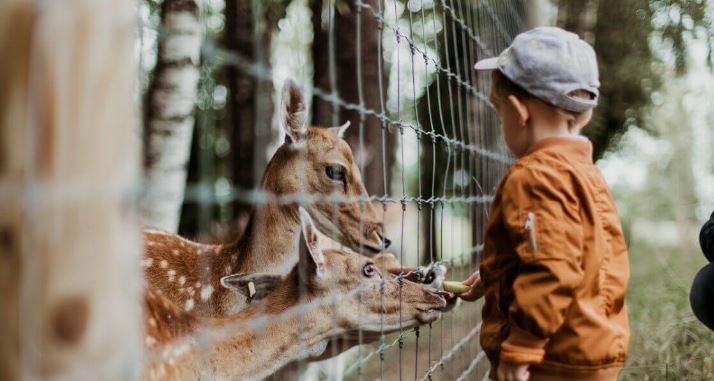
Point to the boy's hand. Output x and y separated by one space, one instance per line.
512 372
476 291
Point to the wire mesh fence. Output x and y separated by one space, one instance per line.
430 140
424 140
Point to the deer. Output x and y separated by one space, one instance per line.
290 317
311 160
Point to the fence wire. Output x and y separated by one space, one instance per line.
437 121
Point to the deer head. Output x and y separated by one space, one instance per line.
328 293
350 281
318 161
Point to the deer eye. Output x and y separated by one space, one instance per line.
369 270
335 172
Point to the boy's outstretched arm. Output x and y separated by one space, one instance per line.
543 218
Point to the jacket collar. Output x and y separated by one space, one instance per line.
575 146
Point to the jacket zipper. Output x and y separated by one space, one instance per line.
530 228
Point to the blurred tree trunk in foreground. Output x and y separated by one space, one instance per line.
169 119
346 77
69 160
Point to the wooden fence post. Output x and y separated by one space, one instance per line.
70 280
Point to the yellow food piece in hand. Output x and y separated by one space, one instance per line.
455 287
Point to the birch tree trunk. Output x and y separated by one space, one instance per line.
69 159
169 116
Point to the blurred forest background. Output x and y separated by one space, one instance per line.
652 132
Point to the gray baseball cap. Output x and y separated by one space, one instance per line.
550 63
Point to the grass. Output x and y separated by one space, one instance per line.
667 341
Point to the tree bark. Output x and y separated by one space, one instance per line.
249 31
69 160
169 113
346 79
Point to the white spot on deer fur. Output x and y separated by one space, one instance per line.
182 280
191 291
217 249
197 285
163 264
149 341
206 292
152 322
227 269
175 252
189 305
172 275
147 262
150 243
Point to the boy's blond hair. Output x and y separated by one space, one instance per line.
502 87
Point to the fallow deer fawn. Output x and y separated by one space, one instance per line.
318 300
314 161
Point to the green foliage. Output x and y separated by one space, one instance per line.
630 37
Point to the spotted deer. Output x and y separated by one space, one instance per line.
291 317
314 161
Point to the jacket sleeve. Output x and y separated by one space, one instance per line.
543 218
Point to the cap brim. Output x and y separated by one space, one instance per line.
487 64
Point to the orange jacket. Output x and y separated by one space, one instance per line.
555 268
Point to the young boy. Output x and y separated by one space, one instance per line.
555 267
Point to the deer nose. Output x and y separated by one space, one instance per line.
386 242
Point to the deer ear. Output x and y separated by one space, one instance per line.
293 112
311 256
252 286
339 131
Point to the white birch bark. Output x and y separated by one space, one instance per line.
69 158
169 123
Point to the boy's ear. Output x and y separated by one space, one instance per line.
521 110
252 286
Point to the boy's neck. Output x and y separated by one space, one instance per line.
544 128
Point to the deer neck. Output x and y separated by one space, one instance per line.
291 331
270 240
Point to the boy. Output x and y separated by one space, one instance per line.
555 267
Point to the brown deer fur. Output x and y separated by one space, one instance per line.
318 300
312 161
